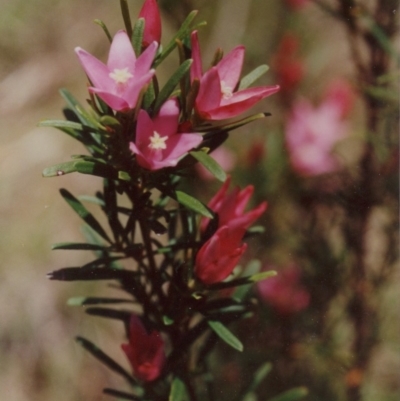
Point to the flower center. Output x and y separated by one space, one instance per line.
121 76
157 141
227 91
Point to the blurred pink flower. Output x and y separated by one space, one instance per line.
217 99
152 28
288 66
157 144
284 292
225 158
217 258
296 4
311 134
120 81
145 351
341 95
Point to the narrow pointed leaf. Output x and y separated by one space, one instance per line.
291 395
137 35
104 28
84 167
210 164
121 395
61 124
127 17
179 35
85 215
261 373
225 334
79 274
178 390
171 84
109 313
252 77
192 204
104 358
244 280
78 109
77 246
81 301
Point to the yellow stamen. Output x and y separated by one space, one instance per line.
121 76
157 141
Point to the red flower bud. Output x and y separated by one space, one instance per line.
152 28
145 351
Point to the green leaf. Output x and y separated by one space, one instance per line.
178 390
110 313
243 280
78 109
225 334
104 27
291 395
85 167
120 394
210 164
126 16
167 320
91 199
192 204
81 301
171 84
79 274
61 124
77 246
137 36
259 376
179 35
253 76
84 214
104 358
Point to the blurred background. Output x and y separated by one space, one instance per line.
331 322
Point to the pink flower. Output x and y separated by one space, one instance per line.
145 351
225 158
217 258
152 28
311 134
340 95
120 81
230 207
217 99
158 144
284 292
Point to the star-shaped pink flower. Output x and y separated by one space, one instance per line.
217 98
158 143
120 81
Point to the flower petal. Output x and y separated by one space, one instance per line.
180 144
134 87
97 72
209 96
196 70
115 102
144 130
121 53
166 121
144 61
230 67
241 101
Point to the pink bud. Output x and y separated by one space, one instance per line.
230 206
218 257
145 351
152 28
